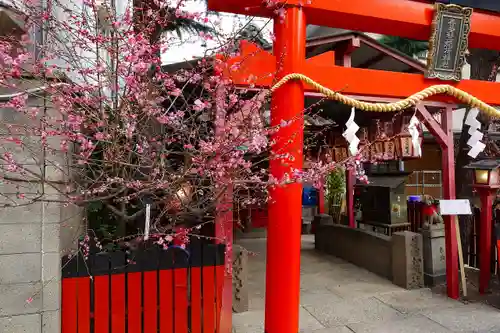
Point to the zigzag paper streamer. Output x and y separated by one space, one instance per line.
474 142
350 134
415 134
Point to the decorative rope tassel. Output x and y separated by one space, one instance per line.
461 95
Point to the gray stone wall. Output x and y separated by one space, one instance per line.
32 237
362 248
398 258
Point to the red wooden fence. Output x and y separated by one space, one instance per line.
144 291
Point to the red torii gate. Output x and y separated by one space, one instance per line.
405 18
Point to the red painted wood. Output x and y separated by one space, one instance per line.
285 206
350 180
181 300
448 157
219 286
101 304
208 278
485 239
134 301
83 299
405 18
166 301
498 254
352 81
69 305
196 300
321 198
150 302
118 303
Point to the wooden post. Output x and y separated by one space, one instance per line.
444 136
285 207
450 231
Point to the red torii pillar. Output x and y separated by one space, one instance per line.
285 208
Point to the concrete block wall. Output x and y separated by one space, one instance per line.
398 258
32 240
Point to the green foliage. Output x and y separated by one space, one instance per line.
335 184
407 46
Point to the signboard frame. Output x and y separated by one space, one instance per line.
448 42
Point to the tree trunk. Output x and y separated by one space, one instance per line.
483 67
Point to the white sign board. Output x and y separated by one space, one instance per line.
455 207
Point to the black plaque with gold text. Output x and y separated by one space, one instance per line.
449 41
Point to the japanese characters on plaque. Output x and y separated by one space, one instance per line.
449 41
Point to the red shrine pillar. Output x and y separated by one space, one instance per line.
485 238
448 161
285 206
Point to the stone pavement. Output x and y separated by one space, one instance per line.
338 297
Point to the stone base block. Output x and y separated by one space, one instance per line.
434 280
407 260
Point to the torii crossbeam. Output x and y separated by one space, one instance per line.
405 18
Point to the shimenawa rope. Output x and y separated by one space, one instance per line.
461 95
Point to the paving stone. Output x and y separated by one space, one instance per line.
413 324
333 313
338 329
412 301
253 322
316 297
363 289
468 318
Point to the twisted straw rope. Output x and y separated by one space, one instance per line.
395 106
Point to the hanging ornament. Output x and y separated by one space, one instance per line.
413 128
409 143
350 134
475 144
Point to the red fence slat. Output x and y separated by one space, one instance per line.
208 277
166 301
118 303
134 301
83 299
181 300
69 305
101 304
196 300
150 302
219 286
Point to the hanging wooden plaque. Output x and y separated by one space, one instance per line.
448 43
